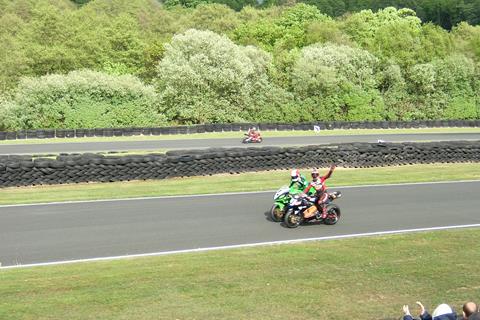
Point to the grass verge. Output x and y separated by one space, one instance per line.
259 181
238 135
367 278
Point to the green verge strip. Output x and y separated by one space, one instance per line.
361 278
239 135
257 181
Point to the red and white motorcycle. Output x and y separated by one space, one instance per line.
252 139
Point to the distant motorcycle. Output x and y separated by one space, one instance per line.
252 139
301 210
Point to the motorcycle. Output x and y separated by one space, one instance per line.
281 200
301 210
250 139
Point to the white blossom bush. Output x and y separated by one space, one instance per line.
205 77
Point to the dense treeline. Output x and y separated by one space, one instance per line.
445 13
144 64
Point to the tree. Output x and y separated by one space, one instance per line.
373 31
285 32
11 65
82 99
340 80
467 39
326 31
214 17
456 76
205 77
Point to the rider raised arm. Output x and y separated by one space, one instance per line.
317 181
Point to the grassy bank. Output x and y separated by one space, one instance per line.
369 278
259 181
239 135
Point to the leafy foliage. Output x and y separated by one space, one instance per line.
81 99
205 77
236 60
339 76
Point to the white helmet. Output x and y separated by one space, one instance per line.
295 175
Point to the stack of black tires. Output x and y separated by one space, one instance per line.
76 168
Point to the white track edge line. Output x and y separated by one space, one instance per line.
229 193
238 246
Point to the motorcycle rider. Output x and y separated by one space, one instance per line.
297 180
321 195
253 134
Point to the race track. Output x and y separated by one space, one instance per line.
71 146
59 232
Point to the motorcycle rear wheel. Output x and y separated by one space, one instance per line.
292 220
333 214
276 214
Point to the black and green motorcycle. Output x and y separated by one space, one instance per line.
281 200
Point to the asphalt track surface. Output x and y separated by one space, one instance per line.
70 231
72 147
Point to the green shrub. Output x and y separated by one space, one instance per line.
338 82
462 108
83 99
205 77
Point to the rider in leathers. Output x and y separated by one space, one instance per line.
297 180
254 134
321 196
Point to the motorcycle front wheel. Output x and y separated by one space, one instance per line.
333 214
292 220
276 214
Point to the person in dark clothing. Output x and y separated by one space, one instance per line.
474 316
442 312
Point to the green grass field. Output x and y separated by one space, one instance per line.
239 135
362 278
258 181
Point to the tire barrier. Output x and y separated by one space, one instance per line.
228 127
75 168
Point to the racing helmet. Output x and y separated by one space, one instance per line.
315 173
295 175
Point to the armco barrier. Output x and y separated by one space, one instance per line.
110 132
27 170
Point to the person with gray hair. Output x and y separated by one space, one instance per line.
442 312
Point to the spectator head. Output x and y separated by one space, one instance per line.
469 308
443 312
